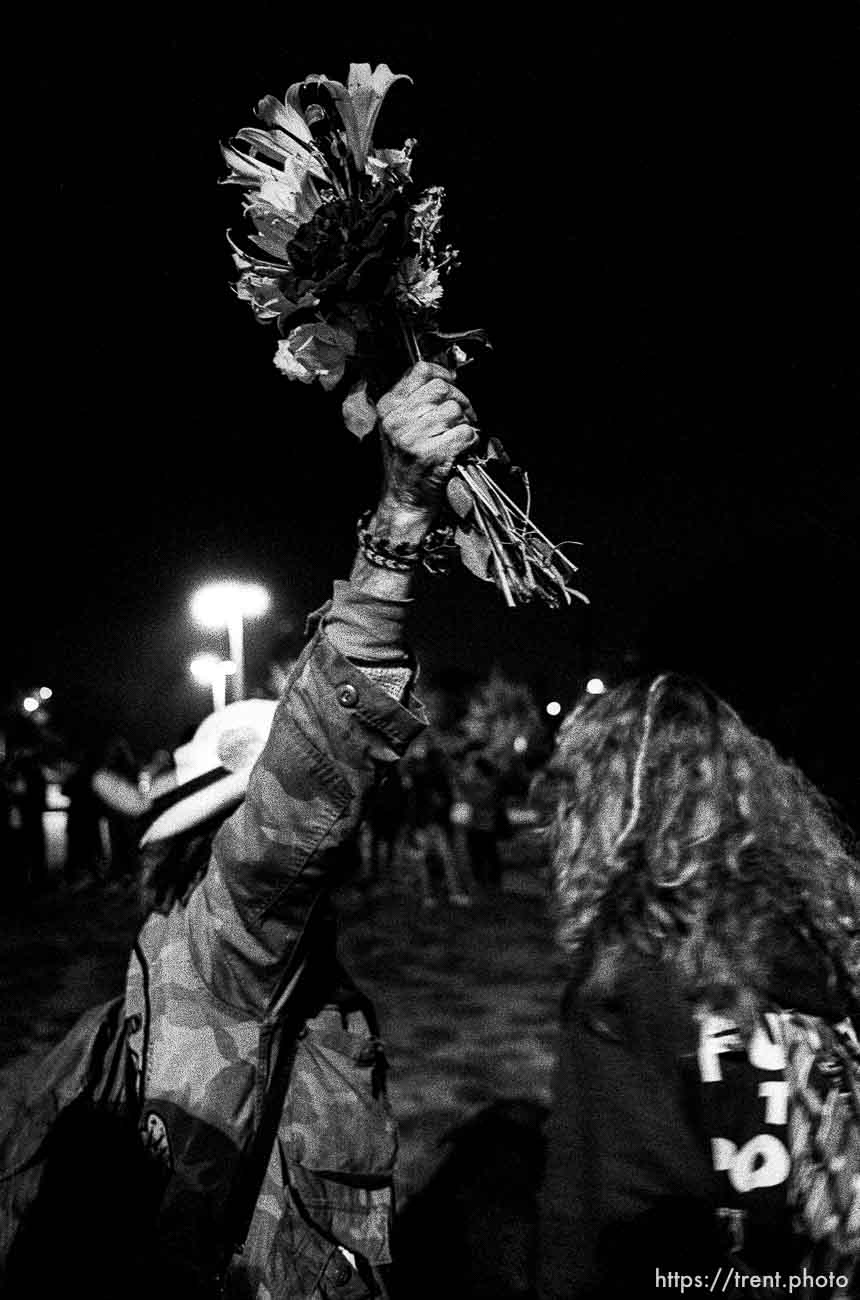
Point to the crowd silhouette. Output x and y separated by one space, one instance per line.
434 831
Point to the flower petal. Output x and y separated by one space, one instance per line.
279 146
274 231
315 351
300 204
367 90
246 169
320 340
264 295
382 162
289 366
274 113
245 260
250 170
345 108
330 379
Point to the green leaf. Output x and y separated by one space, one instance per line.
359 413
476 553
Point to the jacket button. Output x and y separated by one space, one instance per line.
347 696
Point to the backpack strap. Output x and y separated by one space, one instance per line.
280 1043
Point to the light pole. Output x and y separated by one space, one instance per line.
209 670
228 604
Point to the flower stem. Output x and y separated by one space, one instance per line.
489 481
410 340
498 557
504 523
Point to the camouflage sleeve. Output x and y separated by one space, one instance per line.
256 915
394 681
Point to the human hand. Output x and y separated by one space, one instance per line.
425 423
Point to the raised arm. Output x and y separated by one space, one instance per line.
346 713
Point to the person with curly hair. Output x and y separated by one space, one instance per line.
706 1112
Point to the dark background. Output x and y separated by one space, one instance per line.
653 214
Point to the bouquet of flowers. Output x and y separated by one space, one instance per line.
347 261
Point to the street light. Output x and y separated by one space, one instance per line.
209 670
228 604
36 699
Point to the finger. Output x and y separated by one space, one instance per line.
427 419
413 417
420 374
455 441
422 433
451 411
439 390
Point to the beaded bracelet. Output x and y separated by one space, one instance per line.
434 551
438 550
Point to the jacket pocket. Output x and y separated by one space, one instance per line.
339 1137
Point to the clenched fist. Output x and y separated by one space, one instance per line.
425 423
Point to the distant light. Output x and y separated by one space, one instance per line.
29 704
45 693
207 669
553 708
55 800
595 686
215 604
521 744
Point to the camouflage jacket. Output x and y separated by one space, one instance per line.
211 986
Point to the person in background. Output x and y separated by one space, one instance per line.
426 840
253 1060
706 1111
9 885
379 833
502 732
479 811
85 848
108 797
117 784
27 788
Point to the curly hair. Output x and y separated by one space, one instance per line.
678 833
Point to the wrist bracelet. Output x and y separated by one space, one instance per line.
438 550
434 551
378 549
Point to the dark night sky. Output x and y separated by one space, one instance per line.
653 216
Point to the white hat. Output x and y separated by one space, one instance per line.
212 769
